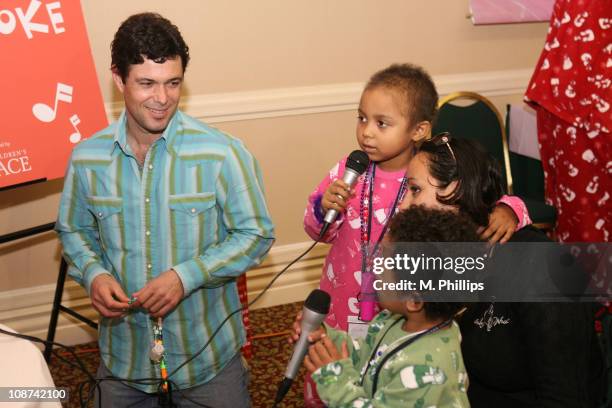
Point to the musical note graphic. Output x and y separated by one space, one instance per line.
76 136
44 112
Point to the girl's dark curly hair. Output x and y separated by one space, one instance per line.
477 173
146 35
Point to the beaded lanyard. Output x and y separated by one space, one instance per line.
365 216
157 354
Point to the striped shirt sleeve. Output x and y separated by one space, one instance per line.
77 230
250 232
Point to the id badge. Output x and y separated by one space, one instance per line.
357 329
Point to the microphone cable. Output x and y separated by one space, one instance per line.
264 290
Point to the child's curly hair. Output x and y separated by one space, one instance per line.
421 224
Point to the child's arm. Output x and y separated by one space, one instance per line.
337 380
317 203
510 214
518 207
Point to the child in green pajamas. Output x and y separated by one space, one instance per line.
411 355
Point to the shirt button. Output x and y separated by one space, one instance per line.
193 210
150 167
149 266
148 233
100 214
147 200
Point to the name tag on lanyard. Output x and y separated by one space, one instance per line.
357 329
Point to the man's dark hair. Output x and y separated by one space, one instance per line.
477 173
146 35
415 85
424 226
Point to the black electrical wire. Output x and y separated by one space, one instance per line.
248 305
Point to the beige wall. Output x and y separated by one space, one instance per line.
248 45
244 46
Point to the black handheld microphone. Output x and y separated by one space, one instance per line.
315 309
356 164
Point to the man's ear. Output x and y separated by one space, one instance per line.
117 79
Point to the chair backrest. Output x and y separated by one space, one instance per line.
528 176
480 121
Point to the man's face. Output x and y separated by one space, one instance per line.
151 93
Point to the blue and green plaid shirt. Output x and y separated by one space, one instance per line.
197 206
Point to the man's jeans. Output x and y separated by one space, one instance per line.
229 389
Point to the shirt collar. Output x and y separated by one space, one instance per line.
169 135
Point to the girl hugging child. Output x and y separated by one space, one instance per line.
541 354
411 355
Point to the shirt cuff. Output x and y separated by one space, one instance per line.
317 209
520 209
92 271
187 273
334 374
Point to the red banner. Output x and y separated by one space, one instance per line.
51 96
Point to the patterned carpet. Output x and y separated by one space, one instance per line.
270 357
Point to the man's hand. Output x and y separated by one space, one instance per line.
322 353
107 296
160 295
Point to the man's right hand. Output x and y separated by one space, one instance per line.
107 296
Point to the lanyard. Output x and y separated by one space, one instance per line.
373 354
366 211
157 354
365 215
396 350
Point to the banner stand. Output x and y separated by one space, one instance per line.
59 287
50 110
27 183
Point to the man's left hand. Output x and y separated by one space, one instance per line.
160 295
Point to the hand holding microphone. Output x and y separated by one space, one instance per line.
315 309
296 331
322 350
336 196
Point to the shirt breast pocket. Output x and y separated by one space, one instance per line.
193 218
108 212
